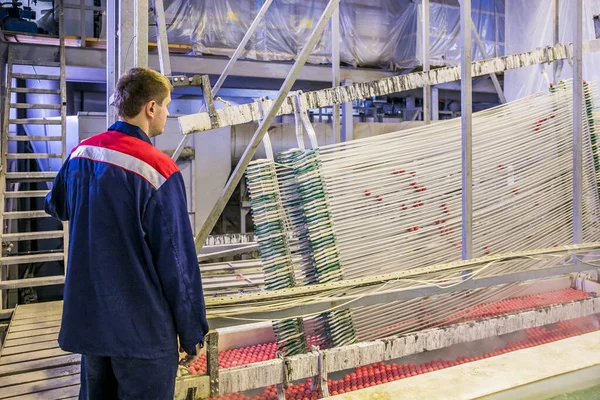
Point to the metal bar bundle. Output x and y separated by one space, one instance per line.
274 248
372 205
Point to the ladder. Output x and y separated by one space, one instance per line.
22 190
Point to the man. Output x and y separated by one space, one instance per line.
132 283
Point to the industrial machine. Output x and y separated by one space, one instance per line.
18 18
362 287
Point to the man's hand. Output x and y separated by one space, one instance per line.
188 359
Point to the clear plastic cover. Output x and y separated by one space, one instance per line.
373 33
530 26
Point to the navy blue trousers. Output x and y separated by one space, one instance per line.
107 378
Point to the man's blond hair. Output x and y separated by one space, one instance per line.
137 87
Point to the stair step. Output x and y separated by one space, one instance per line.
25 214
26 193
27 138
36 76
32 156
32 282
34 121
34 91
36 106
31 176
14 237
36 63
32 258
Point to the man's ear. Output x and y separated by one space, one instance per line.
151 108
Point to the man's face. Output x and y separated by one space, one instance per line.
161 112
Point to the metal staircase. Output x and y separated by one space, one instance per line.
23 188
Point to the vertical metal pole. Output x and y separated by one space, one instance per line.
133 37
126 35
63 114
238 52
7 83
335 69
212 362
426 61
111 59
82 33
496 35
435 104
141 33
556 40
347 131
577 123
237 174
466 87
161 37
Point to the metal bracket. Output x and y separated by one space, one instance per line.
283 385
208 99
266 139
191 394
192 387
320 380
212 361
297 106
260 102
303 121
204 82
182 81
287 372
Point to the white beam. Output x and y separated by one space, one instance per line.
335 71
467 129
426 61
578 123
111 59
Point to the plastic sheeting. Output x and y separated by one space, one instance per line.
373 33
530 25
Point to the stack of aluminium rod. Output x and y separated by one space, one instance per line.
392 203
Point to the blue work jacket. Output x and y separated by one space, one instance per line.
132 281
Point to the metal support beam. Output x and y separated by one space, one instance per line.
335 70
126 35
132 37
141 34
161 37
404 272
238 173
111 59
426 61
389 296
577 123
212 361
126 44
237 115
238 52
82 34
466 129
556 31
347 128
485 55
435 104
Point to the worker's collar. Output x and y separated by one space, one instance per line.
130 130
